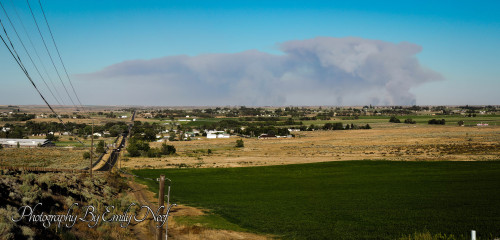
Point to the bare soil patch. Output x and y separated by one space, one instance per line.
146 229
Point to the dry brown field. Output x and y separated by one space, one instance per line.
399 142
52 157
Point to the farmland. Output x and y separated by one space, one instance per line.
352 173
400 142
347 199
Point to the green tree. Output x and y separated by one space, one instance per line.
100 147
116 130
172 136
167 149
52 138
133 150
239 143
86 155
149 135
461 123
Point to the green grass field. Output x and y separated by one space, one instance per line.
347 200
451 120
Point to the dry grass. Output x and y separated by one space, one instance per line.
395 142
69 158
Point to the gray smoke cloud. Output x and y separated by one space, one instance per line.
319 71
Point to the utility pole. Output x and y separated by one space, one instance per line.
91 148
160 203
168 207
119 158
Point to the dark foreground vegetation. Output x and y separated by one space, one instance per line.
348 200
57 192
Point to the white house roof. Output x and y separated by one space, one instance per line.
23 142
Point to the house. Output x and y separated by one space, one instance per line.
294 130
216 134
267 136
225 135
27 143
97 134
211 135
5 129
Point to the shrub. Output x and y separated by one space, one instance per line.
333 126
7 227
410 121
27 232
394 120
239 143
167 149
86 155
434 121
44 179
153 152
461 123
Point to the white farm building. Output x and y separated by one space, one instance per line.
27 143
216 134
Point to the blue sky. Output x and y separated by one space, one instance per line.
459 40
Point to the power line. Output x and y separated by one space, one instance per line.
50 56
57 49
21 65
27 53
36 53
19 62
